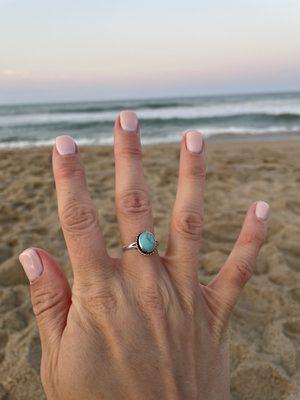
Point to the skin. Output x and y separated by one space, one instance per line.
137 327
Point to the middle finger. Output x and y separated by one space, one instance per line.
132 197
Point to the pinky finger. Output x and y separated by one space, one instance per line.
240 264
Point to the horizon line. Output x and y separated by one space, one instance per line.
158 97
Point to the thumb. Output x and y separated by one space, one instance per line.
50 293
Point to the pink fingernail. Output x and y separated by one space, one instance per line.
65 145
32 264
194 141
262 210
129 121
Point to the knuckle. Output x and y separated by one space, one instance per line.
188 302
103 303
134 202
244 271
152 301
69 168
130 150
253 236
46 299
189 224
98 301
78 218
196 170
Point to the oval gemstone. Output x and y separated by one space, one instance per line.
146 242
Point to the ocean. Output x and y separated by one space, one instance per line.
242 117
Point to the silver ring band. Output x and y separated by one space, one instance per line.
130 246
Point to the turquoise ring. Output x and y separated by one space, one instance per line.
145 243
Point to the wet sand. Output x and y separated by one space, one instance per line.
265 328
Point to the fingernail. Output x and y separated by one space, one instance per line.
262 210
65 145
194 141
32 264
129 121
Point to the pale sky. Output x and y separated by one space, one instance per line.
62 50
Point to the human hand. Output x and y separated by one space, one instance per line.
138 327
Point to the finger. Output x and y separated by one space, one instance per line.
187 219
132 198
78 215
240 265
50 294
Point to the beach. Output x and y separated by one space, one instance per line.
265 326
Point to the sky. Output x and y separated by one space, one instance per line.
66 50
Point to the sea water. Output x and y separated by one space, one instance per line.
242 117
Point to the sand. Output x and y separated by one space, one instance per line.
265 328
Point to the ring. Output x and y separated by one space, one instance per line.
145 243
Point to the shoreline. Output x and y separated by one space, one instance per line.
218 138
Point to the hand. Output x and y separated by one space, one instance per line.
138 327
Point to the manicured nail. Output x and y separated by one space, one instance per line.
262 210
194 141
32 264
65 145
129 121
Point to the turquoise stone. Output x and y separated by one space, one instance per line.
146 242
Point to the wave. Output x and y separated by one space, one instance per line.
77 121
193 106
92 122
88 107
107 139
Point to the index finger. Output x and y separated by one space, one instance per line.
77 214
